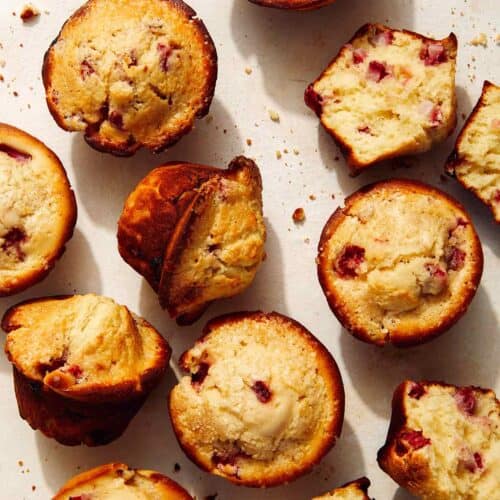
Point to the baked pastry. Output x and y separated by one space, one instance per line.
195 233
83 366
118 481
475 162
262 401
399 263
388 93
37 210
444 442
293 4
131 74
355 490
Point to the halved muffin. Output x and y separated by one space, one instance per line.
475 162
118 481
444 441
293 4
355 490
131 74
195 233
83 366
37 210
262 401
399 263
388 93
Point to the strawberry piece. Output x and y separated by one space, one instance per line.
86 69
415 439
12 242
199 376
466 400
417 391
433 54
349 260
165 51
455 258
377 71
313 100
262 391
14 153
359 55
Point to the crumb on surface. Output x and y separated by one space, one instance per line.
278 154
248 70
312 197
249 142
28 12
177 467
497 38
479 39
298 215
296 151
20 463
275 117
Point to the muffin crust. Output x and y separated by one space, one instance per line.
399 263
263 400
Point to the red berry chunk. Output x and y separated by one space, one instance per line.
455 258
75 370
86 69
433 54
364 129
349 260
313 100
116 118
479 460
165 52
382 38
83 496
377 71
436 116
466 400
415 439
359 55
12 242
262 391
417 391
496 197
14 153
199 376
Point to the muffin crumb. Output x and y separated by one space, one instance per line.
479 39
275 117
28 12
299 215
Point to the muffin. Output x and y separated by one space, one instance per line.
399 263
444 441
83 366
37 210
355 490
119 481
130 73
262 401
195 233
293 4
475 162
388 93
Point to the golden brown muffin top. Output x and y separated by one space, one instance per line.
130 73
37 209
118 482
84 346
263 401
400 262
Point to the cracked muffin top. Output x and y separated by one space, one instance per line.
388 93
84 347
118 481
130 73
196 233
37 210
475 162
263 400
355 490
399 263
444 441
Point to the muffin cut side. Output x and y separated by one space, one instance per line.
140 81
475 162
196 233
218 246
400 263
244 413
444 441
116 480
355 490
37 210
388 93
